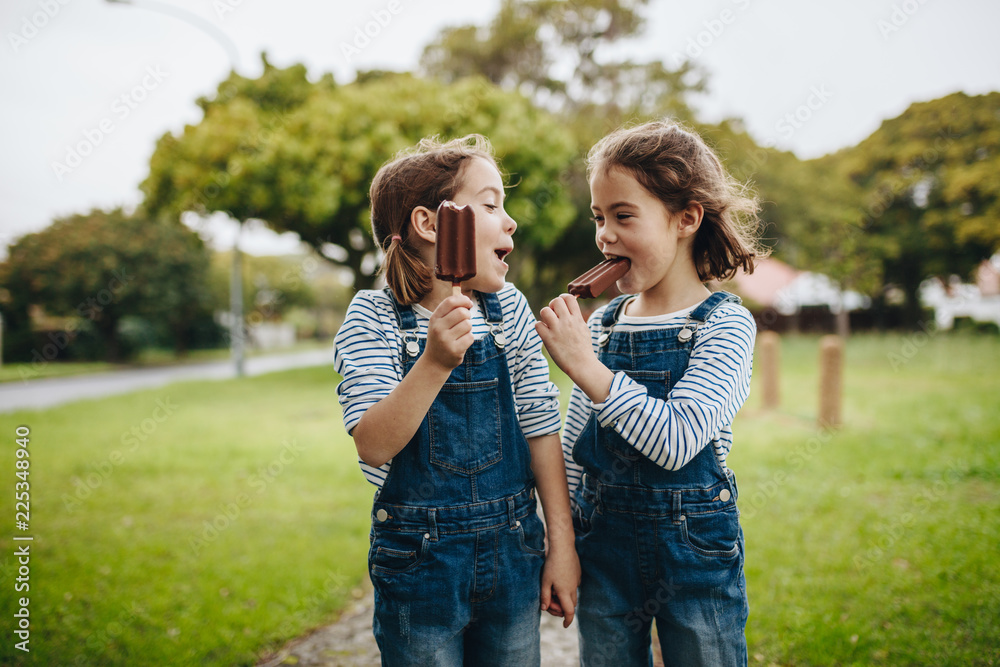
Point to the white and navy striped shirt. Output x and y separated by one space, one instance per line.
699 409
367 352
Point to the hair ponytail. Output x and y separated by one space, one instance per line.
405 273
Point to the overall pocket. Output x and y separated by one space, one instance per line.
396 553
532 532
464 427
713 534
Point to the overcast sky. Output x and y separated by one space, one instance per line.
88 76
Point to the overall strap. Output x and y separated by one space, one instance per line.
407 327
610 318
705 308
701 313
612 312
490 303
404 314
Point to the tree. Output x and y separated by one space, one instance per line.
556 53
311 172
551 50
103 266
930 180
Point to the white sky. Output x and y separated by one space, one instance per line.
65 65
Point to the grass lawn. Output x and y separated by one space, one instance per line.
197 524
206 523
876 544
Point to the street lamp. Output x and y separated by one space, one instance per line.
237 332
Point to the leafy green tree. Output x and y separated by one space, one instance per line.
310 174
105 266
930 181
551 50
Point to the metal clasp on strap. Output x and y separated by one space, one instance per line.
603 339
684 335
411 343
499 338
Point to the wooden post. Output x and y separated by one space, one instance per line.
769 363
831 381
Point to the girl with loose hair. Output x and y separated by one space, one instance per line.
451 409
659 375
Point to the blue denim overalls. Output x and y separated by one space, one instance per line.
653 543
457 548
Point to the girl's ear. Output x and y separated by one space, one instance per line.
424 223
690 220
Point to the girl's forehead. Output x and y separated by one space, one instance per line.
613 178
479 171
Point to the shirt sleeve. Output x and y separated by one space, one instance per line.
715 385
536 399
364 353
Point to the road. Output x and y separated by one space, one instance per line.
50 392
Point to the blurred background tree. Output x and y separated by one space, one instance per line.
930 184
544 80
310 172
101 268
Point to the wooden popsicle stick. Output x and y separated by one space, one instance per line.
456 289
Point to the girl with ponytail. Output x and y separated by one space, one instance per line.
456 423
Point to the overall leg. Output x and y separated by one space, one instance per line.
614 629
421 598
505 627
703 622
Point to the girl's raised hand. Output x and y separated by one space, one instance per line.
567 338
449 332
565 333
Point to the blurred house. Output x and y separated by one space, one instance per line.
783 298
980 301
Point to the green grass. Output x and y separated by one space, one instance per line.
202 523
165 539
876 544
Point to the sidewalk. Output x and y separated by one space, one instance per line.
50 392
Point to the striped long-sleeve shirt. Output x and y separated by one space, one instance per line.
367 353
699 409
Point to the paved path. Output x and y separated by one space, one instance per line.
49 392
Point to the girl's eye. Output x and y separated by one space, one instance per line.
624 216
492 207
596 219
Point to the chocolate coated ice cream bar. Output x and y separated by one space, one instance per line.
601 277
455 259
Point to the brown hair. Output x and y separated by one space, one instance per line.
424 175
678 168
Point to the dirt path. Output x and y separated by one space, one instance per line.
349 642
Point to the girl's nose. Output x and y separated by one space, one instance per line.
510 224
605 236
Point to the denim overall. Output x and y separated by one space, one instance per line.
456 546
654 543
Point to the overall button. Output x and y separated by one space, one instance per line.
724 495
381 515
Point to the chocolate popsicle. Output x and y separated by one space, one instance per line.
601 277
456 244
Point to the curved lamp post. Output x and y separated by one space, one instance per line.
237 332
